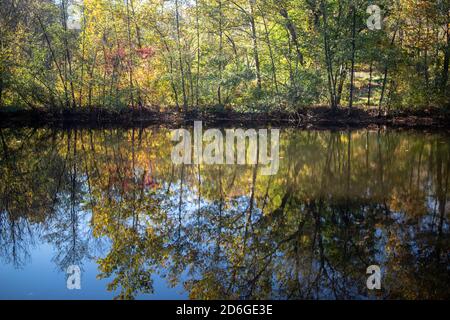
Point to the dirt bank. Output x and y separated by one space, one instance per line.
314 117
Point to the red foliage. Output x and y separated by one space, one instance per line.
146 52
117 55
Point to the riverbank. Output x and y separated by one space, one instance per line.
314 117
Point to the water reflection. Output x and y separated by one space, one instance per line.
340 202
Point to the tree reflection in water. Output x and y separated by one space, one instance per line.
340 202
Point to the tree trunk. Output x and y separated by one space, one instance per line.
197 27
83 47
139 43
446 57
340 86
219 89
171 67
255 47
352 76
383 89
130 61
370 84
180 55
91 78
291 29
272 60
52 53
328 61
67 52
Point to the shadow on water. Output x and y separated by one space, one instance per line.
341 201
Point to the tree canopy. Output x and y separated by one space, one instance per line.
240 54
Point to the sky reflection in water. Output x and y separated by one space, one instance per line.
112 202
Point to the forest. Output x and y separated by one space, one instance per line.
215 55
355 97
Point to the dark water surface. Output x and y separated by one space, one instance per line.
111 202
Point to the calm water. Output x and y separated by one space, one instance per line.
112 202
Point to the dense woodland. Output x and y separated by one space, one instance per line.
342 200
242 55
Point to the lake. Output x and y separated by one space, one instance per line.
112 203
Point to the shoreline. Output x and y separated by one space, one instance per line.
307 118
